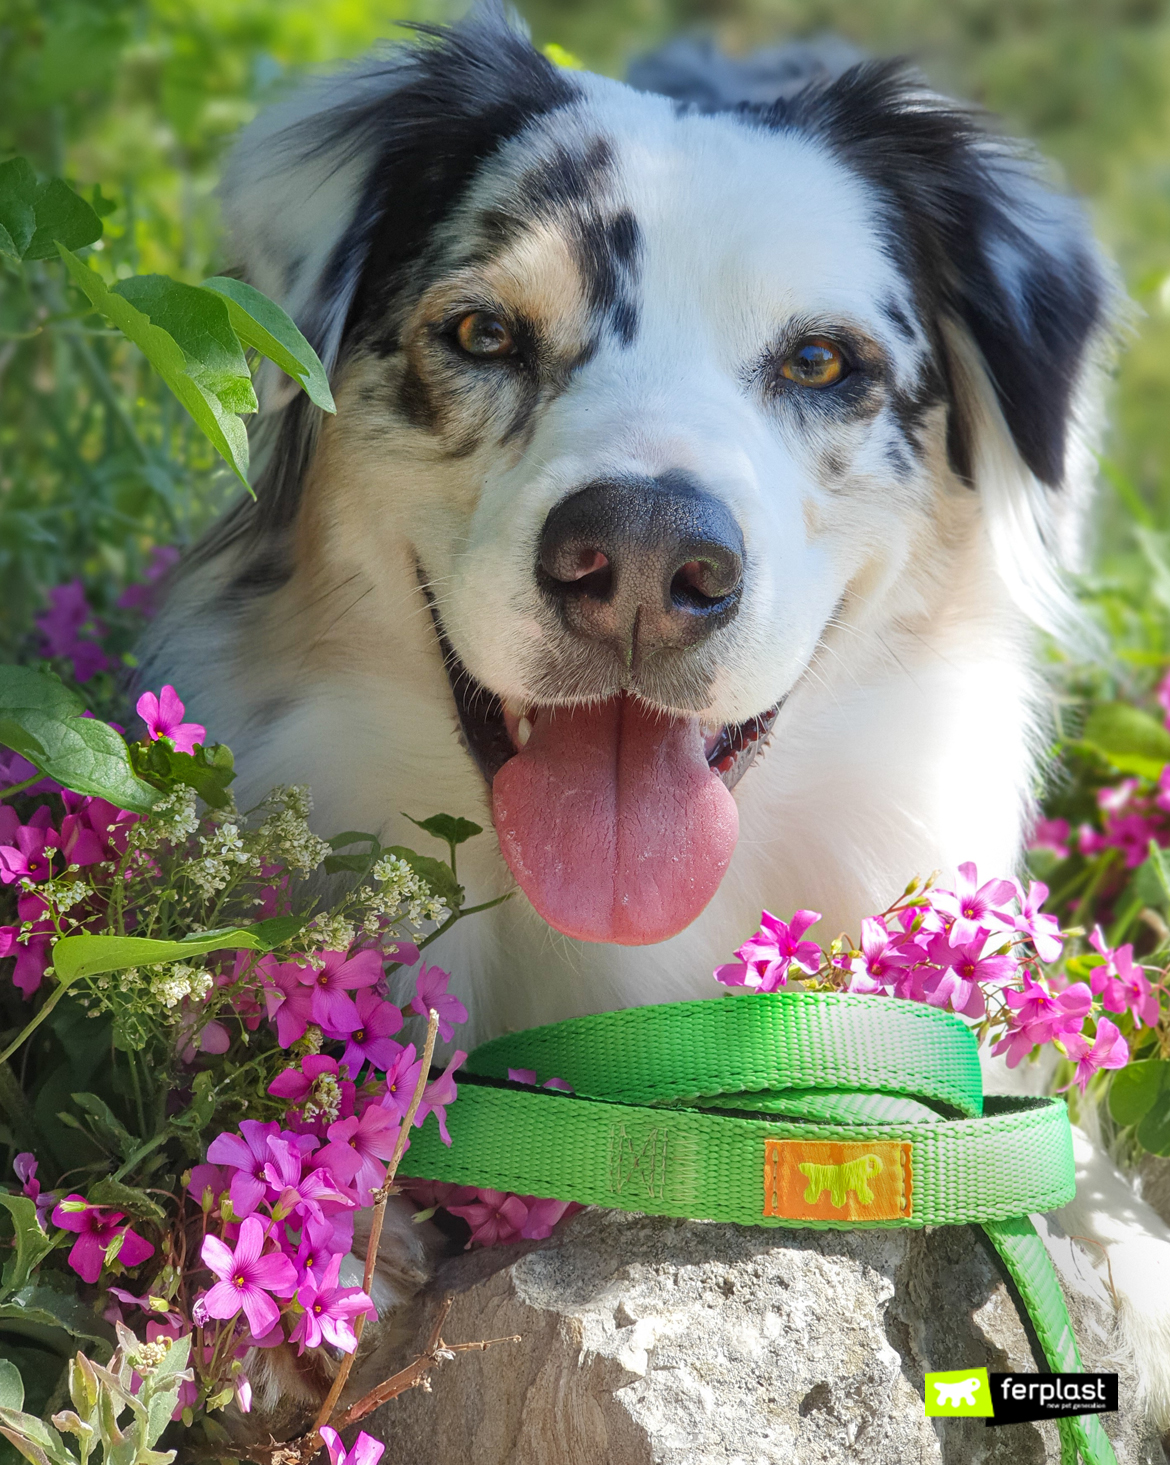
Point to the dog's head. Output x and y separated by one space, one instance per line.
656 396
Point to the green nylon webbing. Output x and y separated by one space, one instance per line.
674 1105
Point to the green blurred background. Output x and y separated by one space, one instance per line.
97 463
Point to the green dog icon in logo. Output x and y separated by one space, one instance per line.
839 1180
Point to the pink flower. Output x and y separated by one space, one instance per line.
68 615
765 958
143 596
288 1001
401 1081
442 1091
962 968
26 859
317 1246
207 1183
1039 1016
25 1164
295 1084
1122 983
1051 834
881 960
163 716
495 1218
329 1311
246 1278
1044 930
298 1190
971 904
545 1215
365 1451
371 1041
431 992
247 1152
370 1138
32 957
1109 1050
97 1229
331 983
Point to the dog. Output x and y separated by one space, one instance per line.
704 461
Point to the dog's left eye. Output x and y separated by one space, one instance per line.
815 363
484 336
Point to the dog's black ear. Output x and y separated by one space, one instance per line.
987 244
373 158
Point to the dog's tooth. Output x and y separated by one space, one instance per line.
523 731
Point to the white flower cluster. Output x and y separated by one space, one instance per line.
170 984
62 895
284 837
173 820
222 848
399 886
324 1099
330 933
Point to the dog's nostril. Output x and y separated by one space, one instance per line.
589 561
698 584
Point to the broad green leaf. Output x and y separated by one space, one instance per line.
41 719
197 320
18 191
276 930
437 873
261 324
32 1244
89 956
448 828
62 217
221 425
11 1385
209 770
37 1303
355 864
1154 1130
107 1124
127 1198
1134 1089
102 206
352 836
34 1439
1132 740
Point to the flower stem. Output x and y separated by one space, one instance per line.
19 788
383 1195
27 1032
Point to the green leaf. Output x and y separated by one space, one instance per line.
45 1305
34 1439
352 836
1154 1130
218 423
11 1385
18 191
1132 740
89 956
437 873
102 206
277 930
62 217
448 828
197 321
32 1243
127 1198
1135 1088
41 719
261 324
107 1124
208 770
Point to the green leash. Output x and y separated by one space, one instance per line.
795 1109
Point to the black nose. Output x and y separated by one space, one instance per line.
643 563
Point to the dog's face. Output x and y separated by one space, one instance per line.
657 402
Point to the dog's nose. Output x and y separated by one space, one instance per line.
643 563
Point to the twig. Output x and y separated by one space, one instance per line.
381 1195
301 1451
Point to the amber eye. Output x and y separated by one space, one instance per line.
814 363
484 336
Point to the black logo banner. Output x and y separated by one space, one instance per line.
1021 1398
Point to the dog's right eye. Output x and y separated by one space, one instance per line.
484 336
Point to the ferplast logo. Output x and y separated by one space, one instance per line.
961 1392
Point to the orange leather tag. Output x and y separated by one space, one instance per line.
823 1180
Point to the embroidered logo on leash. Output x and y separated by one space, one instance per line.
823 1180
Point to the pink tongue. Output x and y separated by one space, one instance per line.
613 823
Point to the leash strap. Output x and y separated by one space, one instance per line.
797 1109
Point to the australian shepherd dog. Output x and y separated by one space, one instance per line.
702 468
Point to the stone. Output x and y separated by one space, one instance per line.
650 1341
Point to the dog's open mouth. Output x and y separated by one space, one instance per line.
616 818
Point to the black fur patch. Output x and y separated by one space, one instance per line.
979 237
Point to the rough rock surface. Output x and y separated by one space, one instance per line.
683 1343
